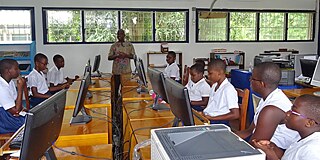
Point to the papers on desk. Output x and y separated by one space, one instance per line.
15 154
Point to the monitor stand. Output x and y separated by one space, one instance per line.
96 74
49 154
158 106
81 119
317 93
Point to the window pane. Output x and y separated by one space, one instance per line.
212 26
64 26
300 26
15 25
271 26
101 26
170 26
137 25
242 26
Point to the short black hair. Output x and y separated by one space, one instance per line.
40 56
217 64
200 61
312 103
57 57
172 53
6 64
270 73
197 67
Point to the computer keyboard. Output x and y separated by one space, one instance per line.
17 140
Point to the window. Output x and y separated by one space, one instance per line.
16 24
212 26
271 26
242 26
87 25
300 26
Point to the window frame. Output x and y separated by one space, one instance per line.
153 10
313 12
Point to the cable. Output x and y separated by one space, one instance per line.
79 154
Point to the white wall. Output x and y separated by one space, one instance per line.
76 55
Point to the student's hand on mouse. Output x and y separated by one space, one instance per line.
264 145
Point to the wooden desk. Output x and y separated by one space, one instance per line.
293 93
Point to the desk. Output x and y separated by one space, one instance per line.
293 93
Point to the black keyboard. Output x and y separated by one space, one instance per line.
17 140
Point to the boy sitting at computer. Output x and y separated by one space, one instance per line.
172 70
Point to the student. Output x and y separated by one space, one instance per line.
11 100
198 88
303 117
223 101
55 75
172 69
270 114
37 81
200 61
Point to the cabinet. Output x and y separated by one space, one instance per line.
22 52
233 60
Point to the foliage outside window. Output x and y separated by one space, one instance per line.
137 25
101 25
242 26
15 25
170 26
271 26
64 26
212 26
300 26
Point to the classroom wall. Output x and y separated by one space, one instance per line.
76 55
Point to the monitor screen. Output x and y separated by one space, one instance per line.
179 101
42 127
307 67
316 75
96 65
156 79
84 118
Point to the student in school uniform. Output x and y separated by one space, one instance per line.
198 88
271 111
37 81
10 98
172 69
55 76
223 100
303 117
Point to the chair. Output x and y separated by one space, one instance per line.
244 95
255 99
26 94
185 77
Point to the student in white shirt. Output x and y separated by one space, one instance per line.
198 88
55 76
10 99
172 69
303 117
223 101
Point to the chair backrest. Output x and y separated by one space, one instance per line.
185 77
26 94
244 95
255 99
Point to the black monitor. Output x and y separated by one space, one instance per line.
84 118
179 101
143 84
42 127
157 83
307 67
96 65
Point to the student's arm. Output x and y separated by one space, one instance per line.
36 94
18 107
268 120
247 132
112 55
233 114
204 102
59 87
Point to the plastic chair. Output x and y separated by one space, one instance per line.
26 94
244 95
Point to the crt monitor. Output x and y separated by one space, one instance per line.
307 67
179 101
42 127
316 77
156 78
143 84
84 118
96 65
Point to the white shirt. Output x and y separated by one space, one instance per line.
172 70
222 100
8 94
37 79
55 76
198 90
306 149
283 137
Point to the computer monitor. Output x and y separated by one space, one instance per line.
156 79
42 127
307 67
179 101
84 118
316 77
143 84
96 65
